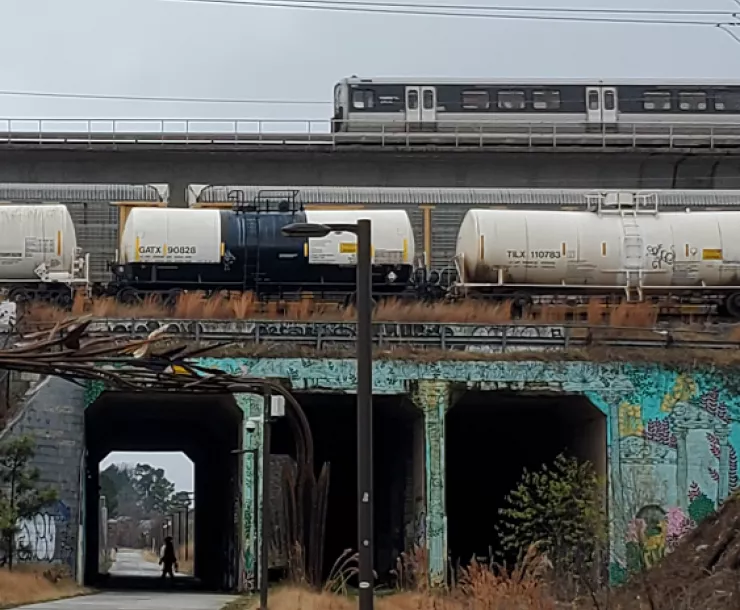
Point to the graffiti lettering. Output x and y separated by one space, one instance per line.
661 256
322 335
36 540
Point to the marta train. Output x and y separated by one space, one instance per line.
366 105
622 247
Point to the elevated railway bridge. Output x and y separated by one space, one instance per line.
283 153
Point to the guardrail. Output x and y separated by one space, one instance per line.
491 338
301 133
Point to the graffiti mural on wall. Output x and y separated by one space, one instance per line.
46 537
673 460
672 438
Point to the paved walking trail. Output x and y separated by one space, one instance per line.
131 563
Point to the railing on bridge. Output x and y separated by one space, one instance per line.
485 338
316 133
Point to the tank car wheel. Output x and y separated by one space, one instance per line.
519 303
732 305
61 300
128 296
19 295
171 297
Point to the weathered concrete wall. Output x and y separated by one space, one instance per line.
53 414
378 168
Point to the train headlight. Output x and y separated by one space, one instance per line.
391 277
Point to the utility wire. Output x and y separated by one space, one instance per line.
431 10
497 8
145 98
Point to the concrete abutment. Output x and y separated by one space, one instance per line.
452 438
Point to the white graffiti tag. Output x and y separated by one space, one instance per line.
37 537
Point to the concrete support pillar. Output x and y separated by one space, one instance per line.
723 489
682 468
433 397
251 407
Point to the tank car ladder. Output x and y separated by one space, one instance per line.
643 203
632 256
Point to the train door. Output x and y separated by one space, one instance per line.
428 105
413 108
601 105
421 106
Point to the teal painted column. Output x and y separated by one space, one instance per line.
433 397
251 407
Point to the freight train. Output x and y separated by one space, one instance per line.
366 105
622 247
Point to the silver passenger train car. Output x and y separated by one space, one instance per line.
569 106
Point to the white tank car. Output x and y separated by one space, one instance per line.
392 237
662 250
157 235
38 243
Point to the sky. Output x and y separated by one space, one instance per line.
178 468
178 49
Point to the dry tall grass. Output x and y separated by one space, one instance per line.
479 587
194 306
32 584
185 566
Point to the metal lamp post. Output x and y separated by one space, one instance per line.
364 391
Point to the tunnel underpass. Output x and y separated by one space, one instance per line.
398 453
206 429
490 438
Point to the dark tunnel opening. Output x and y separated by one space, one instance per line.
398 472
490 438
206 429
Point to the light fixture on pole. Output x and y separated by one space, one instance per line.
364 390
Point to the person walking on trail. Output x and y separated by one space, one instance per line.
167 558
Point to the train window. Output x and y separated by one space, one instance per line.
511 100
363 98
546 100
695 100
412 100
475 100
656 100
428 100
725 100
610 102
593 100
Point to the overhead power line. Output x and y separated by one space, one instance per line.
513 13
146 98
